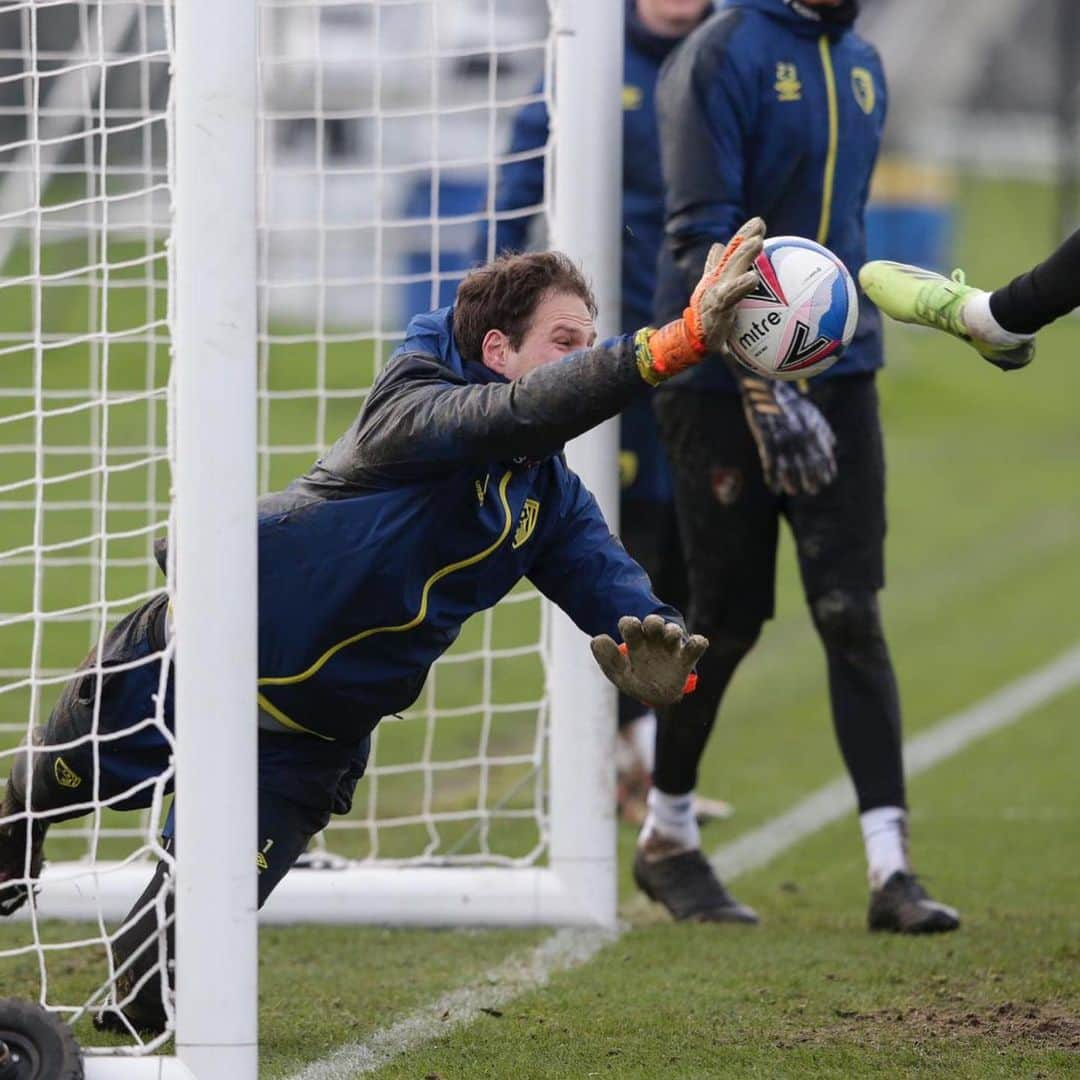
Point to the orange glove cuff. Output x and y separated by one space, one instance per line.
669 350
681 343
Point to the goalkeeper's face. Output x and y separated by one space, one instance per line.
560 324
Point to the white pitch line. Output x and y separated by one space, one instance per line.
567 949
947 737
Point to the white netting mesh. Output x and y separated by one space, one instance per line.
83 371
382 129
382 132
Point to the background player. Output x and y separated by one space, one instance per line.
648 526
777 108
448 488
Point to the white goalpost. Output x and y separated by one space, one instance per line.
265 191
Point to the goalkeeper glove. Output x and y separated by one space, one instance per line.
655 664
706 324
794 441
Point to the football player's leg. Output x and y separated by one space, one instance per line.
67 763
728 522
839 535
1046 292
912 294
141 950
302 781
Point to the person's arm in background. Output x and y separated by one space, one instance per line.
519 185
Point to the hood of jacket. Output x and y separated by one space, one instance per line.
432 334
803 18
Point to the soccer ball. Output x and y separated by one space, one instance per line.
800 316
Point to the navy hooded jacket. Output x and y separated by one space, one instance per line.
448 488
768 111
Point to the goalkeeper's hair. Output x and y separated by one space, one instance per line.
505 293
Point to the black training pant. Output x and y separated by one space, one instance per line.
729 522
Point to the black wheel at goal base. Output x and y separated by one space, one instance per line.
35 1044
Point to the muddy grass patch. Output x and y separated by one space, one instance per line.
1010 1024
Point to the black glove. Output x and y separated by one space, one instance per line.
794 440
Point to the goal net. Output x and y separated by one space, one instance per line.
383 128
386 130
84 464
382 132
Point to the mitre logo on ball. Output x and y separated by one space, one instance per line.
801 313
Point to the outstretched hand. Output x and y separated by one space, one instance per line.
707 321
654 662
729 276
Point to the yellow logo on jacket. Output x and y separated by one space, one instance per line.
862 86
632 97
530 514
788 87
65 775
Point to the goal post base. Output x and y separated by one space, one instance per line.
114 1067
445 896
573 894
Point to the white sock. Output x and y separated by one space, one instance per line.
672 817
981 324
642 733
884 832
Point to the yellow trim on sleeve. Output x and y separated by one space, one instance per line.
830 156
416 620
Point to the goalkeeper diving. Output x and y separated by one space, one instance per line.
449 488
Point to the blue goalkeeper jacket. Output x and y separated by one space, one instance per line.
767 111
448 489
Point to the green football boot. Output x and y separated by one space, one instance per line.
911 294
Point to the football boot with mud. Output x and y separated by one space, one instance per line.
686 884
903 906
